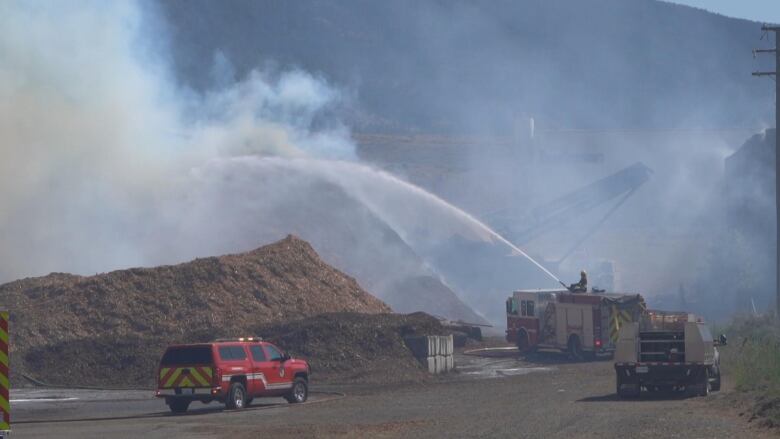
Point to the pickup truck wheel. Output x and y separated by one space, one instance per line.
179 405
299 392
236 397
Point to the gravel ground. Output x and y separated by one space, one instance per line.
553 399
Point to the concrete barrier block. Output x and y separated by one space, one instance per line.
432 366
433 352
449 345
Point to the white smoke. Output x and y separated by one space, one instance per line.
96 138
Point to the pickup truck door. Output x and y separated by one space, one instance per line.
278 377
261 367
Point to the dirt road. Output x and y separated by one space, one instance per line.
488 398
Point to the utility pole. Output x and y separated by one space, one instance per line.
776 30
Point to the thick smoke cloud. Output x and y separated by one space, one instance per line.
97 140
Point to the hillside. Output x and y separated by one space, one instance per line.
468 66
111 328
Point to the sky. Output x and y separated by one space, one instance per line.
765 11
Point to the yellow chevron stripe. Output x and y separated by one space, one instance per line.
4 426
3 336
614 324
173 378
4 382
194 379
197 378
4 405
3 358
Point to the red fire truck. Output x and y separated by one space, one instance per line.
581 324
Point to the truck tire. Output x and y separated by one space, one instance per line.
236 396
624 391
704 386
299 392
523 341
701 387
716 381
575 348
179 405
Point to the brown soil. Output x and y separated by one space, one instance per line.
110 329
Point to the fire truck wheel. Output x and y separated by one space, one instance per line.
575 348
627 390
701 387
299 392
236 396
716 382
704 386
522 341
179 405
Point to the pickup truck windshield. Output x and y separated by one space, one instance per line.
185 355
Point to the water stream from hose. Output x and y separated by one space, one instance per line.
414 213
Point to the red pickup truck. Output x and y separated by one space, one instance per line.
232 372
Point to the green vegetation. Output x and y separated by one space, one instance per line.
753 360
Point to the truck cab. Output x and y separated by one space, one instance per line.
523 311
233 372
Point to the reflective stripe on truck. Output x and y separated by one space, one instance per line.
185 377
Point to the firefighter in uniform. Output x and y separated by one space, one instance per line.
582 285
